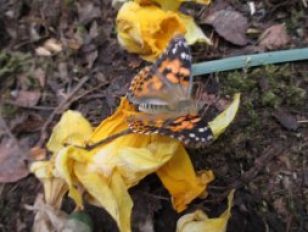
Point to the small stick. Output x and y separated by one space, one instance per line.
60 108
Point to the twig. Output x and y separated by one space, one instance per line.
90 91
259 164
247 61
60 108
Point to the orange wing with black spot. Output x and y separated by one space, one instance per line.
168 80
192 130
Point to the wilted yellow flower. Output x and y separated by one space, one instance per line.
106 172
145 27
147 30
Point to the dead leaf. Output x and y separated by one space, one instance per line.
41 51
229 24
47 218
134 62
53 45
26 98
12 162
75 42
40 75
274 37
51 219
38 153
287 120
50 47
91 58
87 11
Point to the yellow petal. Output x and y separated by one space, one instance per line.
199 221
179 177
54 188
223 120
111 193
194 33
146 30
42 169
66 131
170 4
64 164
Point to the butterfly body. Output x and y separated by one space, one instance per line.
163 95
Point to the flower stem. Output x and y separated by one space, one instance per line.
246 61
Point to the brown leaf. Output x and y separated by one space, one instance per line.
40 75
12 162
287 120
50 47
38 153
87 11
26 123
229 24
274 37
27 98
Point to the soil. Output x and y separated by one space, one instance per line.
263 154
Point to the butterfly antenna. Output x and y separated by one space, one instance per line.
104 141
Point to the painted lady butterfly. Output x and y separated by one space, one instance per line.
163 95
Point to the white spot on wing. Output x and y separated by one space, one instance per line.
191 135
183 55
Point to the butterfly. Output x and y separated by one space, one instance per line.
162 93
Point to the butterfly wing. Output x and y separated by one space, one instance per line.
168 80
192 130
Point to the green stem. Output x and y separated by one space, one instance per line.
246 61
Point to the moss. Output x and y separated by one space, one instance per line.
7 110
270 99
297 16
13 62
238 82
264 90
295 96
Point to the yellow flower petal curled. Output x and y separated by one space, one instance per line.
179 177
111 193
65 161
66 132
147 30
199 221
223 120
194 33
54 187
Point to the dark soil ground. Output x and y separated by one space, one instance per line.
263 154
